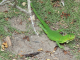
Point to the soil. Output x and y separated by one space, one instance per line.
40 44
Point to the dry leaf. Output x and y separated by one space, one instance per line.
20 55
79 51
56 3
64 15
55 48
33 18
2 49
49 12
48 22
22 32
26 37
77 45
24 3
16 32
10 55
5 45
2 46
53 51
6 19
20 22
41 1
40 49
45 17
47 51
65 52
6 11
13 59
16 12
8 40
72 22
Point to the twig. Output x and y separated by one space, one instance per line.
62 1
3 2
23 10
29 10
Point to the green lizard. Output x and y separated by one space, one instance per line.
54 35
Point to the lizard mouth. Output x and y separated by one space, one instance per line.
68 41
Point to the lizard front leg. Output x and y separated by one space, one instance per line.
59 45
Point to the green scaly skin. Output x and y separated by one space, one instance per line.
54 35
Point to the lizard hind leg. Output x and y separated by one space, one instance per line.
43 28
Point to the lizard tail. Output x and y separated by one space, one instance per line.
41 20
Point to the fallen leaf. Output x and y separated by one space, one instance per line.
23 32
77 45
40 49
6 11
2 46
57 4
72 22
26 37
47 51
16 32
33 18
2 49
8 41
20 55
79 51
45 17
24 3
53 51
21 51
20 22
58 11
47 59
55 48
48 22
65 52
16 12
9 5
64 15
13 59
49 12
5 44
31 54
10 55
6 19
41 1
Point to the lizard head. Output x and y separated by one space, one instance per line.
69 37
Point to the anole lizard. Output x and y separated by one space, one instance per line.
54 35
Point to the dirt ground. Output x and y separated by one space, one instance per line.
22 46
